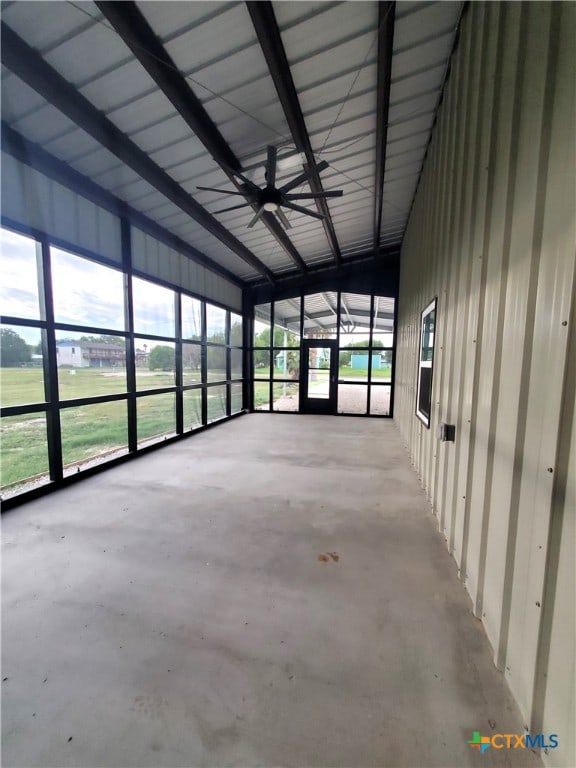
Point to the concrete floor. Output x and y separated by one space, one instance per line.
174 611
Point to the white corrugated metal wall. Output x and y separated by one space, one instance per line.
32 199
492 235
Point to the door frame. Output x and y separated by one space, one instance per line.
319 405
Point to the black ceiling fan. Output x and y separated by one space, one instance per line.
271 198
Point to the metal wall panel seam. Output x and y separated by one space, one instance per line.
432 199
481 208
442 184
460 282
549 303
442 353
553 694
466 308
496 253
534 150
485 345
516 326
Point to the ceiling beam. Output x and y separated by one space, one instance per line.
30 67
29 153
313 316
133 28
386 12
270 40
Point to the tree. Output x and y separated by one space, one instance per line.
282 338
191 356
161 359
13 349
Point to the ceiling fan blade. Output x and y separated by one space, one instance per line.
315 195
255 219
241 176
271 168
307 211
232 208
221 191
304 176
283 219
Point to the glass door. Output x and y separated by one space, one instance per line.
318 376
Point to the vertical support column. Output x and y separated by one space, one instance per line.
204 367
394 345
228 353
370 353
338 326
271 348
126 244
178 363
247 351
54 436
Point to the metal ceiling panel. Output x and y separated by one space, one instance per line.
137 113
432 20
350 53
290 14
417 82
44 124
429 54
42 26
332 50
211 40
18 99
113 88
84 53
170 17
73 143
94 162
326 30
164 133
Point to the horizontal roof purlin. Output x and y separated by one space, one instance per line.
328 58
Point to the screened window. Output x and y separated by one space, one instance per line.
426 363
86 293
19 264
154 310
191 319
215 324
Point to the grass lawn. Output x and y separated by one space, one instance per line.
347 373
93 430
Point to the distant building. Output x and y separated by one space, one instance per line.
88 354
360 361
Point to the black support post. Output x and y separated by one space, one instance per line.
126 245
50 357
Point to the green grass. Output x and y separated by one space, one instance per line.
21 386
345 372
92 430
24 450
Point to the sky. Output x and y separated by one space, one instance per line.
87 293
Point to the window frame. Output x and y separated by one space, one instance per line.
426 364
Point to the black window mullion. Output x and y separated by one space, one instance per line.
393 370
126 244
178 364
204 367
370 352
338 324
54 435
271 356
247 352
228 363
